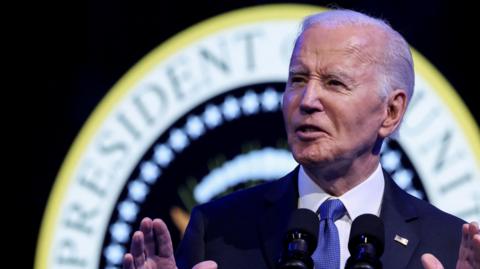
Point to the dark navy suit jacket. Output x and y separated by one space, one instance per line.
245 229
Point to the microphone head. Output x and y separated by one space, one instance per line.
367 228
304 222
300 240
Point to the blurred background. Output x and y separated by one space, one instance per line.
89 45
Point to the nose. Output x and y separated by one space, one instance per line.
310 100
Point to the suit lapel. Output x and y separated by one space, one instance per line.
280 201
401 219
398 213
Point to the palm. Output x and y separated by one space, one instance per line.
468 254
151 247
157 262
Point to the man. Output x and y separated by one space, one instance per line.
350 80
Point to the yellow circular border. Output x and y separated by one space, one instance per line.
178 42
451 99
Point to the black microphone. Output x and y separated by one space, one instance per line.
300 241
366 243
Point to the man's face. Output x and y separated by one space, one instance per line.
332 106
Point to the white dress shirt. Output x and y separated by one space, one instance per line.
364 198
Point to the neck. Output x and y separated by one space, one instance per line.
337 179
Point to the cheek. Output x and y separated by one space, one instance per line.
351 120
288 106
287 98
362 124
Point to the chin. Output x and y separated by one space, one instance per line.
309 157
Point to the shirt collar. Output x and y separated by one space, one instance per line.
363 198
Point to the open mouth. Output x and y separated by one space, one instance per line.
309 132
308 128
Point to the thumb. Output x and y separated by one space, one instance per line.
206 265
431 262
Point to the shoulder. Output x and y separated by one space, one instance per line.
422 210
432 215
246 198
246 202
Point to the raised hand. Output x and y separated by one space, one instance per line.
468 254
151 247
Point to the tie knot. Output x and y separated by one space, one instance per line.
332 209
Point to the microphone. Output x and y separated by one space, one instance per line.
366 243
300 241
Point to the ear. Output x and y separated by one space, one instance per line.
396 107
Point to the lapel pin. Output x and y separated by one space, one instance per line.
401 240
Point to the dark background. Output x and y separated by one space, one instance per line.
85 47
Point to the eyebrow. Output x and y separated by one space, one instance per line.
330 73
297 69
339 74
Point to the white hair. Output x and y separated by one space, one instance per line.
397 63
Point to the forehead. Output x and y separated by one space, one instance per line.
360 43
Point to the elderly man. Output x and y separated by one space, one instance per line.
350 80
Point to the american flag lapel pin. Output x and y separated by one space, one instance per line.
401 240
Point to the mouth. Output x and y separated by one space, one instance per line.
308 132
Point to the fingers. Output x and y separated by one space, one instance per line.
128 261
474 243
431 262
469 252
137 249
206 265
469 230
463 250
164 242
149 241
152 244
476 249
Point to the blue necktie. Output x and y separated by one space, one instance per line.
327 254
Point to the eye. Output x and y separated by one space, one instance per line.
297 79
335 82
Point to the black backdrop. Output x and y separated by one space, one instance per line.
86 47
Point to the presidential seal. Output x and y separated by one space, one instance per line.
200 117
